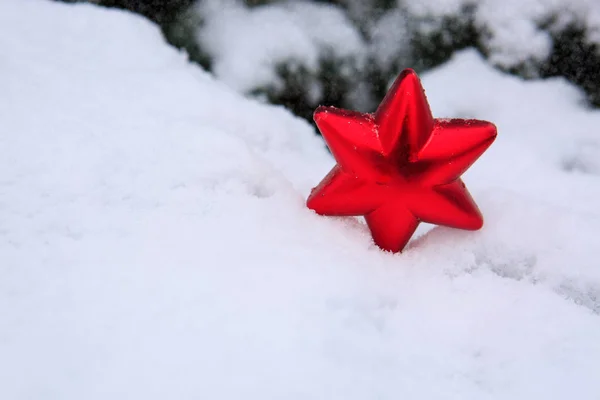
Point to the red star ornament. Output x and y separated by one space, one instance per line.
400 166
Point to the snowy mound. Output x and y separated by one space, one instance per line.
155 243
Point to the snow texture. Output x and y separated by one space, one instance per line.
154 241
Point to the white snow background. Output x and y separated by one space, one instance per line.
155 244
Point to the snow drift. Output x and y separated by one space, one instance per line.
155 243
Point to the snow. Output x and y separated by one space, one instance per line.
390 39
517 32
155 243
436 8
248 44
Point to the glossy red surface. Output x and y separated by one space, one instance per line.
400 166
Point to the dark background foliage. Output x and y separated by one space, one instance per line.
572 56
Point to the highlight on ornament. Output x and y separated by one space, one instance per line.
399 166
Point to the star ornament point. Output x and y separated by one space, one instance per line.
399 166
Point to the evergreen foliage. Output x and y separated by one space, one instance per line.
394 39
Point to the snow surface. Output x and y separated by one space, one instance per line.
155 243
